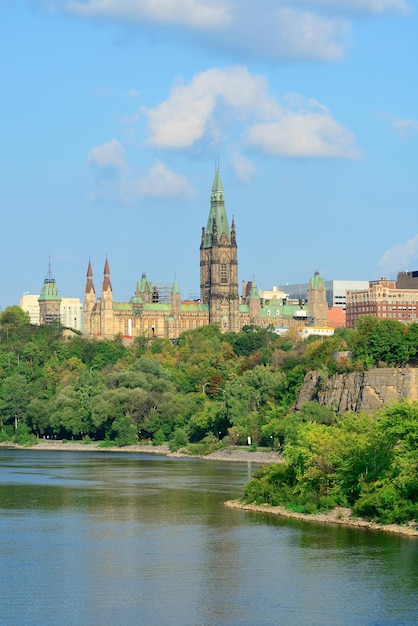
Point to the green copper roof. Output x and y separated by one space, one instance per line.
49 291
175 290
157 306
217 213
142 284
317 282
136 300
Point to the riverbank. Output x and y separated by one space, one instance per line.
342 516
233 454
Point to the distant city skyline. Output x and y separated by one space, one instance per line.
115 113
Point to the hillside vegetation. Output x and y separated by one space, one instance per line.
209 390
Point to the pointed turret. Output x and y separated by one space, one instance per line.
89 301
175 291
175 298
49 300
106 278
106 309
217 215
89 284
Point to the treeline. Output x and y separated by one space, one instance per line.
206 390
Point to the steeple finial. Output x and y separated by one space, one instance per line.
89 285
106 278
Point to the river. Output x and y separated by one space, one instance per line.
100 538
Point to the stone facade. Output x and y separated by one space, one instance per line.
148 314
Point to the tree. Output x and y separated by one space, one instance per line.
14 399
14 316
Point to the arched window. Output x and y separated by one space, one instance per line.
224 273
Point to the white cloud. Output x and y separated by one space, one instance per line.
199 14
199 111
287 32
110 155
263 29
399 257
365 6
314 29
160 182
243 168
188 114
405 128
311 133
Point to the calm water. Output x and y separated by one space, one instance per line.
123 539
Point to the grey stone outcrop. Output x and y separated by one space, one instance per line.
360 391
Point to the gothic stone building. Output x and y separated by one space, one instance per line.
149 315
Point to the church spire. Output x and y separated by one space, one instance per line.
89 284
217 215
106 278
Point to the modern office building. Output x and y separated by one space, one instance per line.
336 290
71 311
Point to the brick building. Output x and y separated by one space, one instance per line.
383 299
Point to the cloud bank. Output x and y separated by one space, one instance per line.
218 104
296 29
113 180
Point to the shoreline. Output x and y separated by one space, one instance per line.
340 515
228 454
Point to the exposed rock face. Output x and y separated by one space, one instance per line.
360 391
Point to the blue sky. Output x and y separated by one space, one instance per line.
114 112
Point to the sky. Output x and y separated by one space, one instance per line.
114 114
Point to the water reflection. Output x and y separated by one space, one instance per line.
101 538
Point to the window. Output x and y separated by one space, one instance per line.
224 273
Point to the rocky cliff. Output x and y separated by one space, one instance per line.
360 391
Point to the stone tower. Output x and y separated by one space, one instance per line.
49 300
106 309
317 300
89 301
219 264
254 303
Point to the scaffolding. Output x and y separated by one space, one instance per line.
161 292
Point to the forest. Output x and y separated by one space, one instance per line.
208 390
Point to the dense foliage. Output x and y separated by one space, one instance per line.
205 389
211 389
369 463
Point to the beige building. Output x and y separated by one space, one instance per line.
30 304
71 313
150 313
48 307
